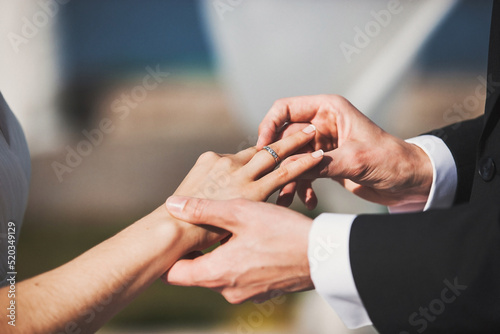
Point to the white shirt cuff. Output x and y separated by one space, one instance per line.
444 179
330 267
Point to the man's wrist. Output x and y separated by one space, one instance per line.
444 178
444 175
423 175
415 176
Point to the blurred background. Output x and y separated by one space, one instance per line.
68 66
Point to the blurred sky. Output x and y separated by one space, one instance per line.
118 34
466 42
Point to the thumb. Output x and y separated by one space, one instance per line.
187 272
201 211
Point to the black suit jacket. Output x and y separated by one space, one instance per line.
439 271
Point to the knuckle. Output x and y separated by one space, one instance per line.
283 173
199 208
289 161
208 156
286 162
336 102
280 109
225 162
303 163
279 103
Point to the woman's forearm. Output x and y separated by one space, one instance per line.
80 296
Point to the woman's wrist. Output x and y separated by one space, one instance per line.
175 238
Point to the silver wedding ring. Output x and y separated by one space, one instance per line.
275 155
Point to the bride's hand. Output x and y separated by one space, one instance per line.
249 174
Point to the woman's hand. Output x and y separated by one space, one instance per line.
248 174
359 155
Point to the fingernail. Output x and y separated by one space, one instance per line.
308 129
317 154
175 204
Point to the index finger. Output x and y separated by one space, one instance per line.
293 109
264 161
200 211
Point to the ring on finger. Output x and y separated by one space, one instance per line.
275 155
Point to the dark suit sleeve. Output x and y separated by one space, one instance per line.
462 139
436 271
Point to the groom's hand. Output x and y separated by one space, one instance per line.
250 174
266 252
361 156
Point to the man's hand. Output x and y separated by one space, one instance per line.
249 174
362 157
266 252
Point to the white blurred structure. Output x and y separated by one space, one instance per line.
28 69
360 49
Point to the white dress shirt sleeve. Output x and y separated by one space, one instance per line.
444 178
330 267
328 250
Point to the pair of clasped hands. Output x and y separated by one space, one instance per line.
264 246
